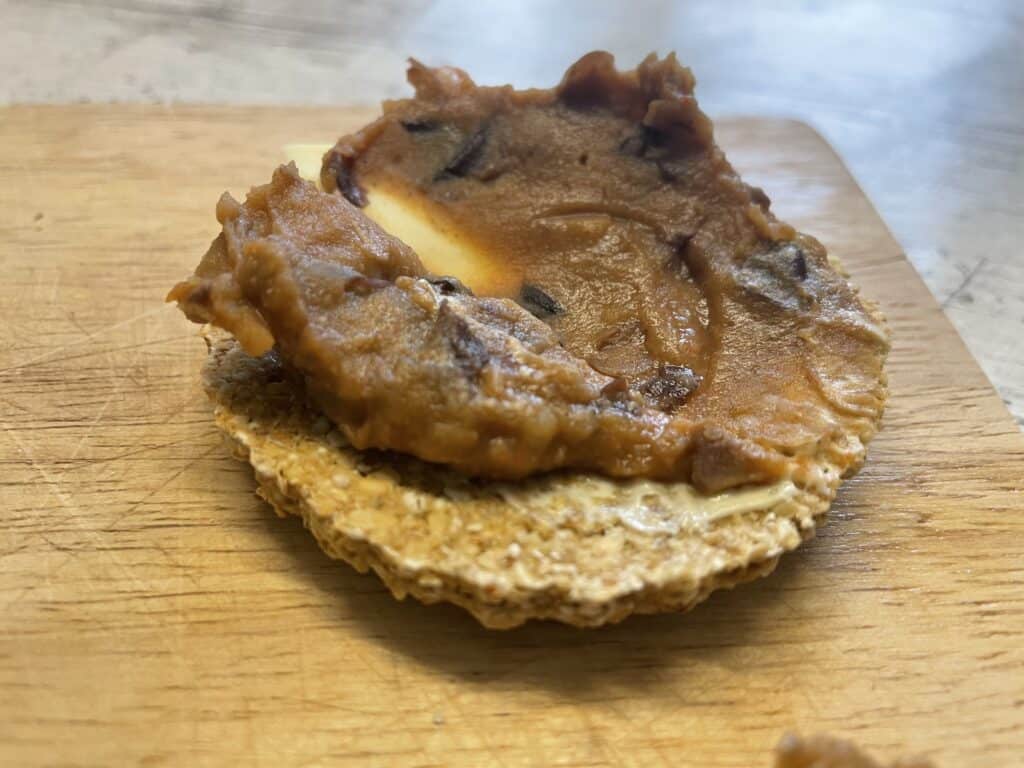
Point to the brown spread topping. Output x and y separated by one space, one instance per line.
828 752
642 312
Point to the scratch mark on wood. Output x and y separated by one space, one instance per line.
99 416
54 353
163 484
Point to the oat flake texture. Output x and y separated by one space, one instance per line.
570 547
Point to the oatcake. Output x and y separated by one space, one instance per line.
577 548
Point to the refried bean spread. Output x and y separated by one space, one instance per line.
630 307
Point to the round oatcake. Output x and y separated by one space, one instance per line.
576 548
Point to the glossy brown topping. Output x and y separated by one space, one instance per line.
828 752
648 316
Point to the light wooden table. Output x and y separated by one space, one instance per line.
154 612
924 101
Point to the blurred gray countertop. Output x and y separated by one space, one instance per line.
923 100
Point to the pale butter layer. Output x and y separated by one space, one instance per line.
424 227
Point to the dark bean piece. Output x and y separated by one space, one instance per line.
361 285
665 173
633 145
491 172
419 126
679 261
470 353
776 276
638 144
800 264
679 240
758 196
345 178
670 386
448 286
200 295
538 303
615 389
466 156
654 137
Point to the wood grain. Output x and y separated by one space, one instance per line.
154 612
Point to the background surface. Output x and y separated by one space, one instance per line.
923 100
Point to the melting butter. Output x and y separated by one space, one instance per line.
424 227
442 248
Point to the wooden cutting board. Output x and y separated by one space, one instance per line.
154 612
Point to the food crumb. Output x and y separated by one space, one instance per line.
438 718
